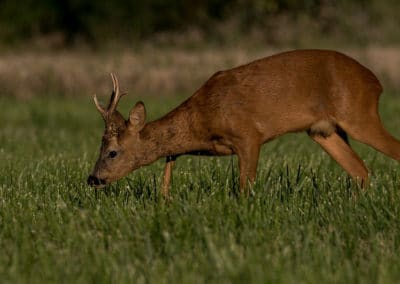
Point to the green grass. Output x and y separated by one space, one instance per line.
306 221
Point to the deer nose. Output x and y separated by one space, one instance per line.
93 181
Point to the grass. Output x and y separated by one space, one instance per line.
305 223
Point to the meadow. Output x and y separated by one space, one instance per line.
306 221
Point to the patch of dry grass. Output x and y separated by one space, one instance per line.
149 71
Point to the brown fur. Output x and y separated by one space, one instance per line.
324 93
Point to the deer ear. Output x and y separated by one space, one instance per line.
137 116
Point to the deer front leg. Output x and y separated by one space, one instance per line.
248 160
170 161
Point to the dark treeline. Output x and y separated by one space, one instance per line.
276 21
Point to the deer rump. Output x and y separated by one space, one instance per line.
325 93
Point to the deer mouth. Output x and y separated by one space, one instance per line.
96 182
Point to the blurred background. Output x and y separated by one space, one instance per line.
170 47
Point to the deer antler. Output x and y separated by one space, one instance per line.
114 99
99 108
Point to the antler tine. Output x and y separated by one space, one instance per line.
115 96
115 82
99 107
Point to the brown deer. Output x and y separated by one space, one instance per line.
325 93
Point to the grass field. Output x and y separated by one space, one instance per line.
305 223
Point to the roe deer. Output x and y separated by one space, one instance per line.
325 93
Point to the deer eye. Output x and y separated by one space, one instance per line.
112 154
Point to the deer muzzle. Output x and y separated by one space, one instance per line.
95 181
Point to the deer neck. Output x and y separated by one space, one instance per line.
168 136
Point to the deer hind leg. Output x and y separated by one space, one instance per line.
370 131
337 147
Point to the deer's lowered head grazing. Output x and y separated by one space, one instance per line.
324 93
120 145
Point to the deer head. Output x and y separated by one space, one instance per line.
118 152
